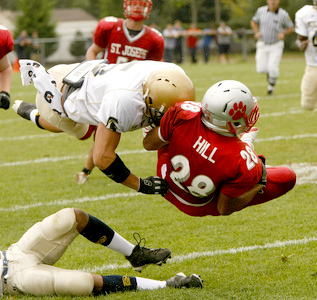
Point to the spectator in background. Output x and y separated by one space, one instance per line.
24 43
224 34
6 46
270 25
208 36
170 35
179 47
192 34
35 47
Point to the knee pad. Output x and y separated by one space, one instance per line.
74 283
58 224
37 281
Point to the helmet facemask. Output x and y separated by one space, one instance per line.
137 10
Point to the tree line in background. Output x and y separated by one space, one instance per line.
36 14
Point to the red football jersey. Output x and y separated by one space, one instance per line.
199 163
112 34
6 41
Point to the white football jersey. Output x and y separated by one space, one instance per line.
306 25
113 94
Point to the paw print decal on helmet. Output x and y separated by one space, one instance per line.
238 111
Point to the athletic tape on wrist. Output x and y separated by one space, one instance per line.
117 171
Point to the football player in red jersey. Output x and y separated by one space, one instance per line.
6 46
128 39
209 169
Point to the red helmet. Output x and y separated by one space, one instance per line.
137 10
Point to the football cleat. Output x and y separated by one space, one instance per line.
180 280
23 108
270 89
141 257
82 177
250 136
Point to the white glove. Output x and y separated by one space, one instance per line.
146 130
249 137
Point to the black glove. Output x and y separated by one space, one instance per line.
4 100
153 185
263 179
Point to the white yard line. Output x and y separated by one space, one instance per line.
195 255
57 159
306 174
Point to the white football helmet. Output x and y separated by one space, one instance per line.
229 108
137 10
164 88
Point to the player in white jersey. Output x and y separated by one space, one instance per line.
306 29
116 98
27 266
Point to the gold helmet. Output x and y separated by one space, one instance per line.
164 88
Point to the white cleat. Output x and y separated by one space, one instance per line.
16 105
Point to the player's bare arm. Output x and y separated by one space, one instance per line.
93 51
152 140
227 205
6 73
255 28
106 159
105 145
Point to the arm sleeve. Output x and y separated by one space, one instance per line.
157 50
103 31
6 42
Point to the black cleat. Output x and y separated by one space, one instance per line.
141 257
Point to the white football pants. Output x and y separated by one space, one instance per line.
31 259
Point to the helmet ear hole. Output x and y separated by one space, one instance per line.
236 124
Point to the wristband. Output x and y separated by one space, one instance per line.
117 171
4 92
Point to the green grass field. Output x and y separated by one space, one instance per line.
239 256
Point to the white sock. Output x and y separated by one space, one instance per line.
121 245
149 284
33 114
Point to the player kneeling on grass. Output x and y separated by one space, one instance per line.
27 266
209 169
